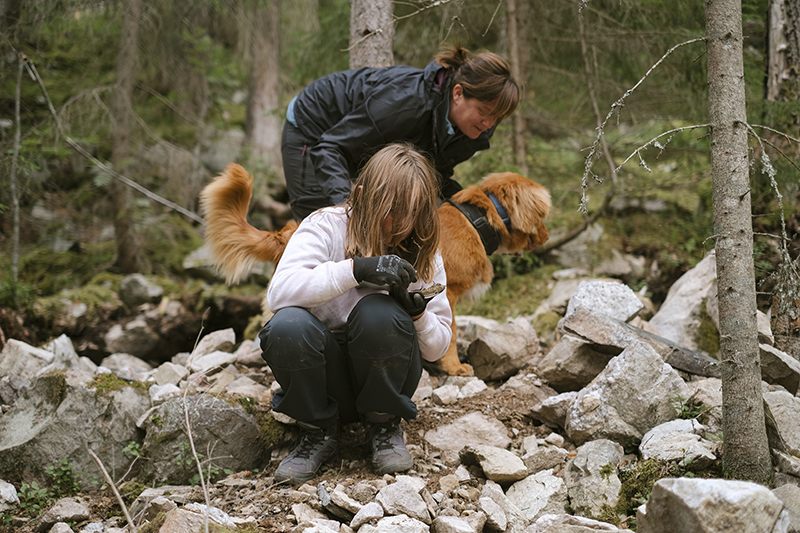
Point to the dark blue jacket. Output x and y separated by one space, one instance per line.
354 113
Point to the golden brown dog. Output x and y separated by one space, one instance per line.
236 245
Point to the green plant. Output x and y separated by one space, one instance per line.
32 499
606 471
133 448
184 457
690 408
62 478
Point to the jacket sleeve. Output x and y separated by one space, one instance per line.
433 327
389 114
306 276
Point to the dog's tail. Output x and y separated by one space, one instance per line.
235 244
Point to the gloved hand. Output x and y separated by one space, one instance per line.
413 302
384 270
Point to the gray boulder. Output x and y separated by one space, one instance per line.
782 412
693 295
61 415
223 434
609 298
679 441
471 429
591 477
571 364
632 395
503 351
135 290
703 505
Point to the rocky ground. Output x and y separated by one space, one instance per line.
567 432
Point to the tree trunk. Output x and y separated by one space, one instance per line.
746 451
515 42
371 33
10 11
783 51
129 258
263 124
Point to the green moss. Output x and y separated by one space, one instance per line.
637 484
154 526
157 420
273 431
546 322
707 335
110 382
606 471
168 242
513 296
50 271
608 514
55 384
254 326
94 296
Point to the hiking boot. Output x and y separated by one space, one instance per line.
389 453
317 445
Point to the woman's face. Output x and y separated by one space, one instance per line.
470 115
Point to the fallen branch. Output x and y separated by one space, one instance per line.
114 489
78 148
188 423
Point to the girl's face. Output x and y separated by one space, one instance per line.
470 115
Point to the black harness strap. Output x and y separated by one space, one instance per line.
490 237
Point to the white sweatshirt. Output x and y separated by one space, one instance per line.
313 273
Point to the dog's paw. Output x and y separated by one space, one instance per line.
460 369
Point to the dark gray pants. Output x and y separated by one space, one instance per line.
373 366
305 192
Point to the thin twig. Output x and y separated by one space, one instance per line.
654 139
499 3
616 106
437 3
188 423
14 162
593 98
789 137
78 148
432 5
120 480
169 104
114 489
788 159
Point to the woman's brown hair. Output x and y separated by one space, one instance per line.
396 181
486 76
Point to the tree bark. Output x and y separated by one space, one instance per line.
10 11
746 450
515 42
263 124
371 33
783 51
129 257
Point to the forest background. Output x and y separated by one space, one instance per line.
202 69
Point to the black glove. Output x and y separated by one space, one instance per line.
384 270
413 302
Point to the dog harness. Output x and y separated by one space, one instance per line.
490 237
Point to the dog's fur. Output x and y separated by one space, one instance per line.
236 245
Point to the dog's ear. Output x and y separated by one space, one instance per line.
527 203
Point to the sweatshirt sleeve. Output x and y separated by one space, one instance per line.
306 276
434 326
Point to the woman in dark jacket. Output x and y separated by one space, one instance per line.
448 111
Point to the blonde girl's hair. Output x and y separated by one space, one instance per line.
486 76
397 181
